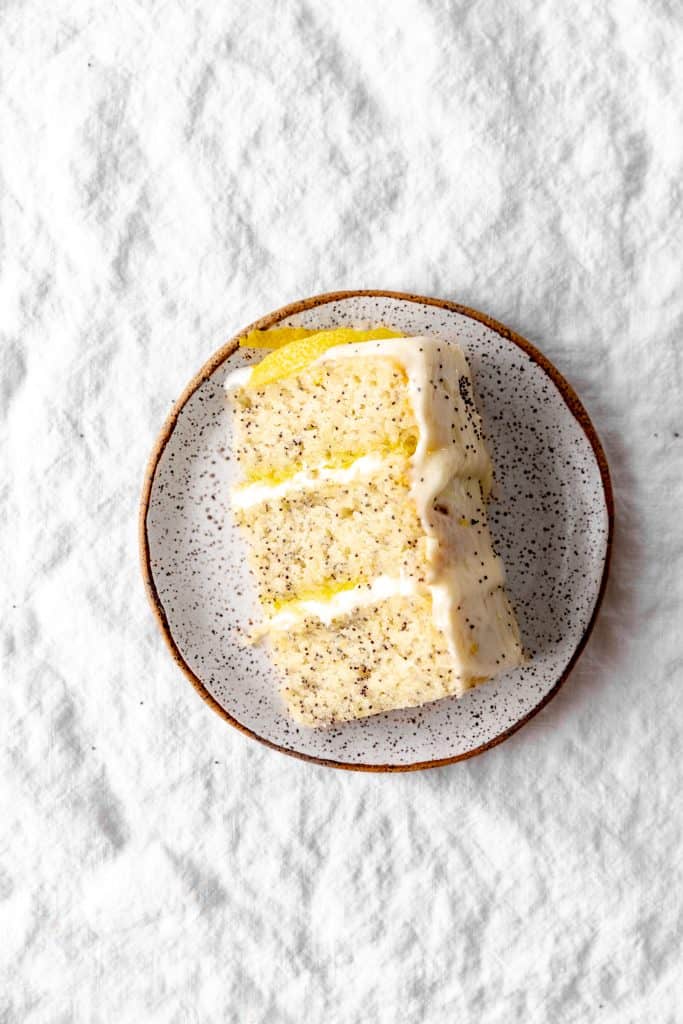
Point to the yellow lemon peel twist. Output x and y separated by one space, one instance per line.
294 356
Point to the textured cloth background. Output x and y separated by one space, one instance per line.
169 171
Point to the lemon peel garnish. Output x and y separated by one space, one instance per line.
276 337
296 355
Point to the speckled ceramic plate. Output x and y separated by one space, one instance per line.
551 522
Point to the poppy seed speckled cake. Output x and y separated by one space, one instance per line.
365 479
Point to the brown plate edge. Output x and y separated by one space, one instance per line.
575 407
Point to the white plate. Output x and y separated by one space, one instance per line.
552 524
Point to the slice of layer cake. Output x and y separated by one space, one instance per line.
363 500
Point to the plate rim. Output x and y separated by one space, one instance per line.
224 352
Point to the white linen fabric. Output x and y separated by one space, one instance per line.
169 171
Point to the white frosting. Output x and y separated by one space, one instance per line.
343 602
238 378
306 479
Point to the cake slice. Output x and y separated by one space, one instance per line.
363 501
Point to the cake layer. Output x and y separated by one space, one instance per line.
377 658
477 626
441 396
331 413
337 508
